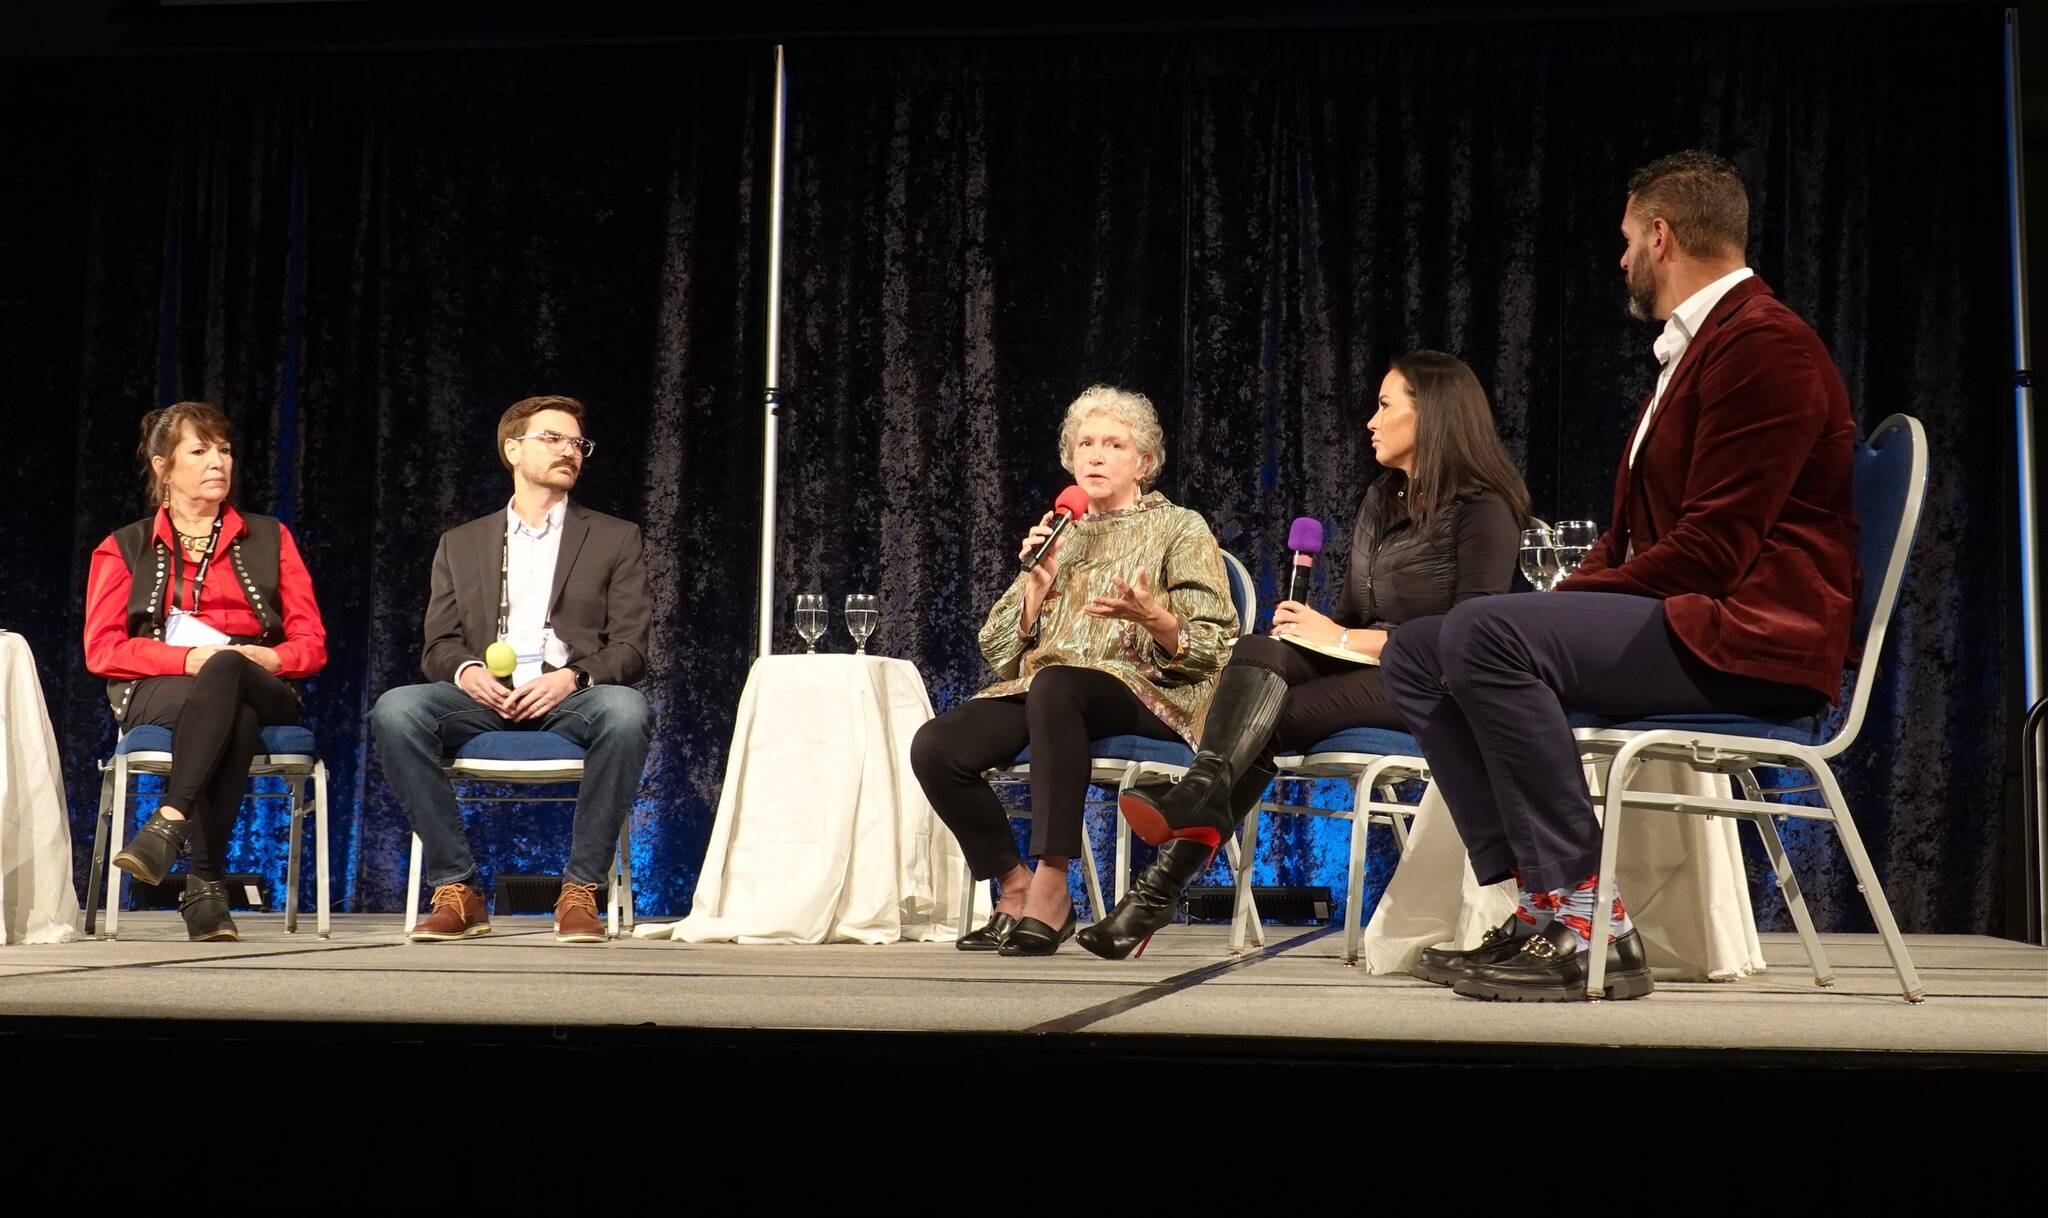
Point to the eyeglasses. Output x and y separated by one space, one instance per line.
557 442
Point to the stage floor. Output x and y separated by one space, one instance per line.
1986 996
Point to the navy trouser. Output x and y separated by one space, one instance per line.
1485 688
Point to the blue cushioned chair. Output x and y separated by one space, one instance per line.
1374 761
1890 481
528 757
1119 761
287 752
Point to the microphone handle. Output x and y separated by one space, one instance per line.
1297 578
1059 525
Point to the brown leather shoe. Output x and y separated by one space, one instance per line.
576 914
458 913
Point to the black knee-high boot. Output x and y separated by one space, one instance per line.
1151 902
1235 736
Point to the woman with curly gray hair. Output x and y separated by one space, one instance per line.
1120 629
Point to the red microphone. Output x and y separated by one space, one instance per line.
1072 502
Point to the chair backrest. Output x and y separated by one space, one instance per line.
1889 486
1242 594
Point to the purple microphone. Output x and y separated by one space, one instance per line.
1305 538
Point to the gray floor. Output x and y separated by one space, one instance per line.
1985 995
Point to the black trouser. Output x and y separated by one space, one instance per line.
214 720
1064 709
1324 696
1486 687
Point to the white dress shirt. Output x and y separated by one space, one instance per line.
1685 321
529 577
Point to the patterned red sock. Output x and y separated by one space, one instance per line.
1574 907
1533 910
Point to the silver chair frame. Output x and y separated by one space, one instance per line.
1620 752
619 907
297 769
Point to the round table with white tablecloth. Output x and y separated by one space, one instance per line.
823 834
37 901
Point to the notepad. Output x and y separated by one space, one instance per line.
1334 652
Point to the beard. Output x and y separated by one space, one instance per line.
1642 291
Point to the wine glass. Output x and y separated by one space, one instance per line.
1574 538
1539 559
861 615
810 619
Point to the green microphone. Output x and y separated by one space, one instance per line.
501 660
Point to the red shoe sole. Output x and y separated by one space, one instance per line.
1148 824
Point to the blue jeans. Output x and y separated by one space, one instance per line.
419 726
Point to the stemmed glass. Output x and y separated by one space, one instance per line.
1539 559
861 615
1574 538
810 619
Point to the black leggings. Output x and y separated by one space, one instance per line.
1324 695
1064 709
214 720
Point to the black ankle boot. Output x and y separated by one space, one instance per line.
150 853
1149 904
204 906
1235 736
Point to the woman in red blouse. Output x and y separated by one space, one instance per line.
202 619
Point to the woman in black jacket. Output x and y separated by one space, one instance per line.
1442 526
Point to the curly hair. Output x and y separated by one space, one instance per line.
1133 410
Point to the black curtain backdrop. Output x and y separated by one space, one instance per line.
365 257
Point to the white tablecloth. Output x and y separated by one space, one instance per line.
823 834
1681 878
37 902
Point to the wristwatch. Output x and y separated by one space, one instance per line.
583 680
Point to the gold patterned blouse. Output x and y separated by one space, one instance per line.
1175 546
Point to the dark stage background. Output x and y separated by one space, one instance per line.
364 256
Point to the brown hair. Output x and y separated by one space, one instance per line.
1456 446
511 424
163 429
1700 196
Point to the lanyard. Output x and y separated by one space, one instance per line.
505 589
205 564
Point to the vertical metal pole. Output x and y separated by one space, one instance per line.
2023 425
764 636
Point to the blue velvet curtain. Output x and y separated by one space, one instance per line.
364 257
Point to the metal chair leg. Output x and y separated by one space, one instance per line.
295 795
1866 880
967 891
1788 882
412 887
99 849
116 826
320 858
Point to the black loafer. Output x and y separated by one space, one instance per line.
1031 937
157 845
1447 966
1551 967
988 938
204 906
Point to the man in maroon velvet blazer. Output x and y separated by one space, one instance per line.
1726 583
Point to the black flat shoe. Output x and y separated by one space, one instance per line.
989 937
1150 904
1031 937
154 848
1448 966
204 906
1551 967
